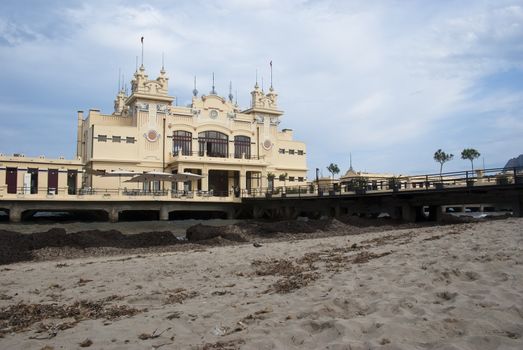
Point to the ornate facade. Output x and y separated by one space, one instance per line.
233 149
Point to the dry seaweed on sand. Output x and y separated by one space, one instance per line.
224 345
292 283
19 317
281 267
179 295
366 256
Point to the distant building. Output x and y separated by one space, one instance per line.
232 148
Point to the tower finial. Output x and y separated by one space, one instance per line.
213 91
256 85
231 96
163 63
262 83
236 98
142 49
350 162
195 91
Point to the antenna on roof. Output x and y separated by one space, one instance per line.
195 91
142 49
163 62
231 97
271 76
119 79
350 161
262 83
256 85
213 91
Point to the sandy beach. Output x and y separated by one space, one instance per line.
441 287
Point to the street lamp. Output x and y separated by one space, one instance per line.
318 180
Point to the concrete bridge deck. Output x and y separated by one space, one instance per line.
406 204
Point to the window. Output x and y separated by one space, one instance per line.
291 178
300 152
117 139
242 146
281 151
102 138
291 151
300 179
182 143
213 144
130 139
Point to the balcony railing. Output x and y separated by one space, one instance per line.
181 153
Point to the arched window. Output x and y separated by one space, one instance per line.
182 143
242 145
213 144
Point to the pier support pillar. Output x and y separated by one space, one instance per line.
435 213
15 214
257 213
164 214
517 208
113 215
408 213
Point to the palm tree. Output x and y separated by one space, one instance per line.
470 154
333 169
442 157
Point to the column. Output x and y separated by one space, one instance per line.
164 214
113 214
408 213
243 180
62 182
15 214
3 186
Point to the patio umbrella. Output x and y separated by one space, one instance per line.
119 173
179 177
151 176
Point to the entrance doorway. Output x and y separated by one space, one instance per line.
52 181
34 180
10 179
219 182
72 176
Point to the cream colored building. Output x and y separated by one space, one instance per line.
232 148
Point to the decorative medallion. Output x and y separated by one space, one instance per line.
151 135
213 114
267 144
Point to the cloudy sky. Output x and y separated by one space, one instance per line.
390 81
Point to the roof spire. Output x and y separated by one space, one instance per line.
163 64
231 96
262 84
256 85
195 91
350 162
142 49
213 91
236 98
